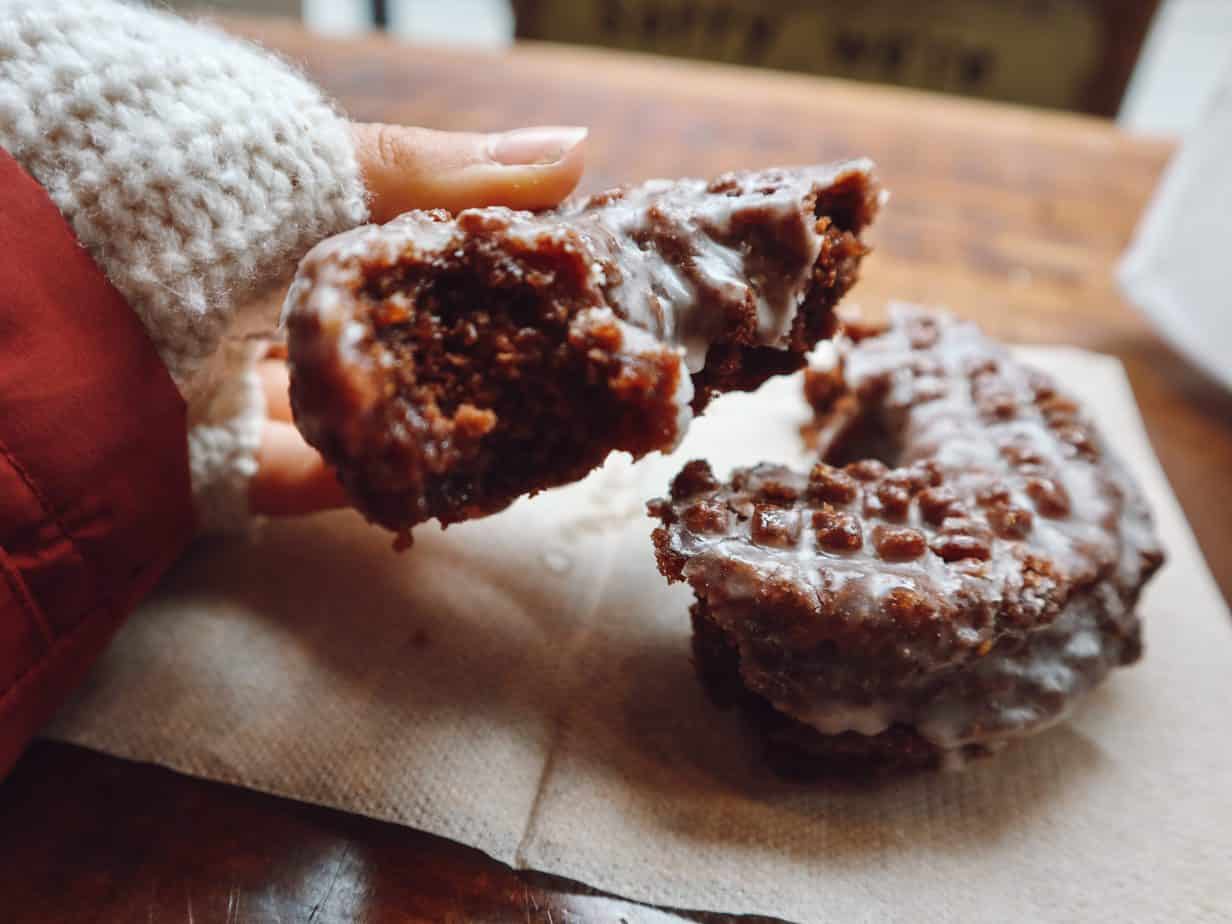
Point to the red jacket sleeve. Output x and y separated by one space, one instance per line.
95 501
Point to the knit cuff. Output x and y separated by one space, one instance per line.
194 167
223 445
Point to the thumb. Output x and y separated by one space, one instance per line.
417 168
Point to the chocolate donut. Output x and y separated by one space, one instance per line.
448 365
960 566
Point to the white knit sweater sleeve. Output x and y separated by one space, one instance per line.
196 169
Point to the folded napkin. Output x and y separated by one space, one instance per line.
522 684
1177 269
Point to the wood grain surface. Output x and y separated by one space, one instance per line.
1010 216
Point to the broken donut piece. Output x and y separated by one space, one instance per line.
446 366
967 562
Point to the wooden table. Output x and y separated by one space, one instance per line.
1010 216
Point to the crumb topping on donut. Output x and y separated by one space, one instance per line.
963 559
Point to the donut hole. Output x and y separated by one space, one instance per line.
865 437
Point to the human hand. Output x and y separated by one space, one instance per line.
403 169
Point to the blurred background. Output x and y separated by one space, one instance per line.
1151 64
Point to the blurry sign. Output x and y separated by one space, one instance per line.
1072 54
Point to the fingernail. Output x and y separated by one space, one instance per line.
535 146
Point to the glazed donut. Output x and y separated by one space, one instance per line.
446 366
960 566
